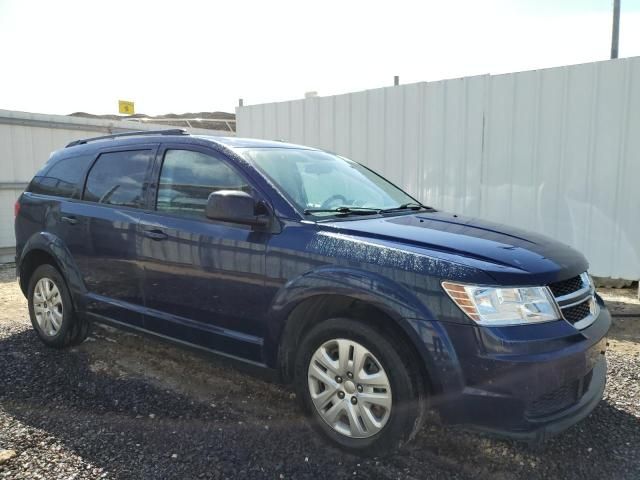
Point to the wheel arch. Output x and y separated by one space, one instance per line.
375 300
31 261
45 247
318 308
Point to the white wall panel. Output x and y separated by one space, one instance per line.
8 197
326 121
297 121
626 249
377 129
411 121
359 134
342 124
473 134
283 123
556 151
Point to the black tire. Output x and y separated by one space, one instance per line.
408 399
73 329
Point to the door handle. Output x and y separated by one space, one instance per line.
155 234
70 219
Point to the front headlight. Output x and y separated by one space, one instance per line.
493 306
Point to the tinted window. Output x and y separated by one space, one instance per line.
64 178
187 178
117 178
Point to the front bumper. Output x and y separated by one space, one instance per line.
544 427
527 384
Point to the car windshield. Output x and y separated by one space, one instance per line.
315 180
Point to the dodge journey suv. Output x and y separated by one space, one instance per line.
373 305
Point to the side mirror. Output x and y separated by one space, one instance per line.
234 206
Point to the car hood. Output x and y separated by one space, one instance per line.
509 255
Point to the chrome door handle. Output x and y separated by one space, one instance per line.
70 219
155 234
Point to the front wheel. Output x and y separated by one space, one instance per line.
357 389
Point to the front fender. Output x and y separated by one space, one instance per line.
54 246
412 316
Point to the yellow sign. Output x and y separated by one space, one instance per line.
126 107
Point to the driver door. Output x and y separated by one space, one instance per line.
203 279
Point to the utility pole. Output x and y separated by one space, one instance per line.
615 34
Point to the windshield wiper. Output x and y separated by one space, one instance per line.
368 211
407 206
344 210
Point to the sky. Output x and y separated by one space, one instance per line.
65 56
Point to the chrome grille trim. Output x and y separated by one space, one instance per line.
586 293
589 319
575 297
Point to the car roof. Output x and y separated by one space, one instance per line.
173 136
240 142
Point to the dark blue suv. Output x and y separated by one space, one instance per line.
373 305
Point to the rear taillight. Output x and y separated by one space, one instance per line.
16 208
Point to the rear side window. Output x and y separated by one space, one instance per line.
187 179
63 178
118 178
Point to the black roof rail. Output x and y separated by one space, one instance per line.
172 131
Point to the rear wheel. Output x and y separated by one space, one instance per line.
357 389
51 310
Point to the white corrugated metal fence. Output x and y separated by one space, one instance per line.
556 151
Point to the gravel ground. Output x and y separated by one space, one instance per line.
123 406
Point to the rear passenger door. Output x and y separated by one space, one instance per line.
114 197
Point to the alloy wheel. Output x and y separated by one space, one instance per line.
47 306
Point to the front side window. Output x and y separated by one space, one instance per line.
118 178
188 178
63 178
318 180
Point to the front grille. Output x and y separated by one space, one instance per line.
575 299
577 312
559 399
554 401
565 287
